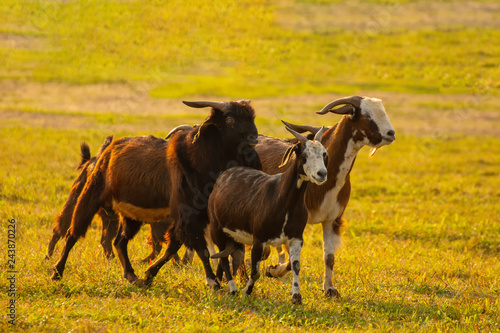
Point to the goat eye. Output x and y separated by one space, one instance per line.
325 158
229 120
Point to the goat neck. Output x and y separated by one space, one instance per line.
343 142
291 184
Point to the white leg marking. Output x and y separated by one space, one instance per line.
232 286
295 248
211 282
331 242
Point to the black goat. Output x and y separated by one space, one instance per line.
250 207
147 179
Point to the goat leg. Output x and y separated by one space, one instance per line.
188 257
283 266
109 231
224 262
59 267
331 241
256 255
128 229
52 244
295 248
172 248
204 255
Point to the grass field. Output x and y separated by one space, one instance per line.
422 240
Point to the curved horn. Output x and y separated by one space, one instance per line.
353 100
178 128
299 136
318 135
302 128
222 106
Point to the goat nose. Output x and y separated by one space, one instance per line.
322 174
391 133
252 140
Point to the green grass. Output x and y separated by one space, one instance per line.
422 238
420 249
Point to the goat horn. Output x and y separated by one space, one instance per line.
319 135
178 128
222 106
299 136
302 128
353 100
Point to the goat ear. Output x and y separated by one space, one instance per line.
288 155
210 121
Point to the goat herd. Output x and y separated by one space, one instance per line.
221 183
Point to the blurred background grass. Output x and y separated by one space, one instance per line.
251 48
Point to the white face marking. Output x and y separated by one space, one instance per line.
315 167
373 108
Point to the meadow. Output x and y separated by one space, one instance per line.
422 240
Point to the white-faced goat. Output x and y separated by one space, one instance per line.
365 122
250 207
147 179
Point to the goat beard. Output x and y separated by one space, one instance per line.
372 152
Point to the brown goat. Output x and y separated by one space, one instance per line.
109 218
148 179
365 122
62 221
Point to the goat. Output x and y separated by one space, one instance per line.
365 122
109 218
62 221
147 179
250 207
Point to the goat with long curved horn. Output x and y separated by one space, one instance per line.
299 136
348 102
177 129
302 128
222 106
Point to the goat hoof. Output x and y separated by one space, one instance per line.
141 283
296 299
247 290
56 276
268 270
332 293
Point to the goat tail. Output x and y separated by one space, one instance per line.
105 145
230 248
85 155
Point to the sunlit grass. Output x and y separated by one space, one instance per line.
420 249
422 238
